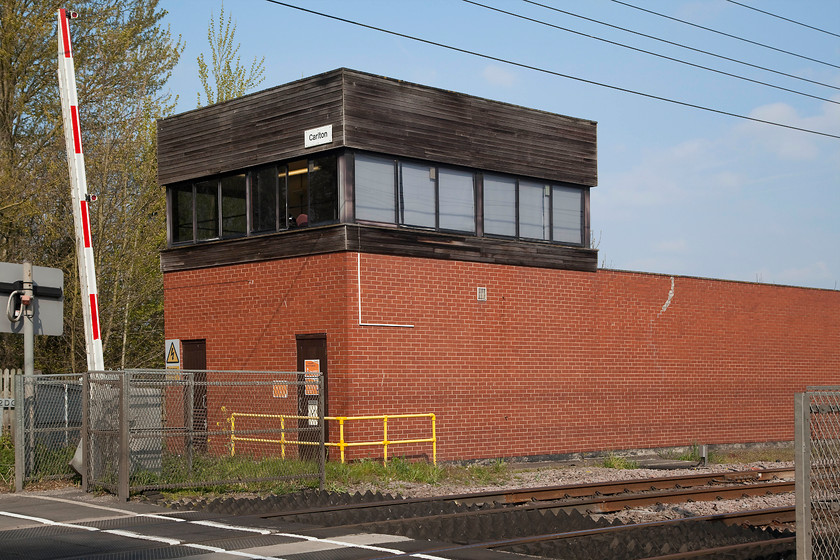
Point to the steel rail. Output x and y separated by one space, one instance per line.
585 506
523 495
622 486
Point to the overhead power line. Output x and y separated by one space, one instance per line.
784 18
672 59
551 72
666 41
725 34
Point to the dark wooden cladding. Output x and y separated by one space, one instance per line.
260 128
409 120
380 240
381 115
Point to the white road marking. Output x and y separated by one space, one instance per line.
362 546
218 525
47 521
133 535
104 508
231 552
214 524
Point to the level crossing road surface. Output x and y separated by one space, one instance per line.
70 524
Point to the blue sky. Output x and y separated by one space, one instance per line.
681 191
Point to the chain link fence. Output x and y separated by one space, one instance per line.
165 429
48 424
818 474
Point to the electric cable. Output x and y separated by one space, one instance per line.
552 72
784 18
674 43
629 5
672 59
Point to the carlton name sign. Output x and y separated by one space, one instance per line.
317 136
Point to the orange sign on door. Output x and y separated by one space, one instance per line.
311 370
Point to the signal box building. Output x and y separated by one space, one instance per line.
431 250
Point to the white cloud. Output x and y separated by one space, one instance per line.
752 203
498 76
788 144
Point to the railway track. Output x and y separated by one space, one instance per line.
558 521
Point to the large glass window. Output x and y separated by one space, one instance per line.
264 199
182 213
499 205
387 190
298 193
417 194
207 210
456 191
234 209
568 214
374 188
534 205
323 199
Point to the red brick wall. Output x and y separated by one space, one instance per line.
553 362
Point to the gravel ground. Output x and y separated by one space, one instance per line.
560 474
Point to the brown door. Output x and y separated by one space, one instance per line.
311 352
194 357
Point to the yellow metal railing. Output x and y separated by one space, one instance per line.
341 444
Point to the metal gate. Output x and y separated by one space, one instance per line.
138 431
48 424
818 474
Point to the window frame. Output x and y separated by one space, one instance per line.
345 162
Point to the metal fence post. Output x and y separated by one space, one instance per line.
190 421
802 446
124 430
322 448
20 444
85 431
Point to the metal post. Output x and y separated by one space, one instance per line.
322 448
802 450
85 431
124 449
29 404
189 420
28 321
20 446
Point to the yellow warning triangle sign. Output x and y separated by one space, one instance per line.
172 355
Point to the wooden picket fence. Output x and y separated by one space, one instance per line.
7 395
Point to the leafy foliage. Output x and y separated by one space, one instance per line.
123 57
229 78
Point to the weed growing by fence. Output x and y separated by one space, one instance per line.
616 462
7 460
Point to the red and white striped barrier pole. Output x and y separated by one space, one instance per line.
78 188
